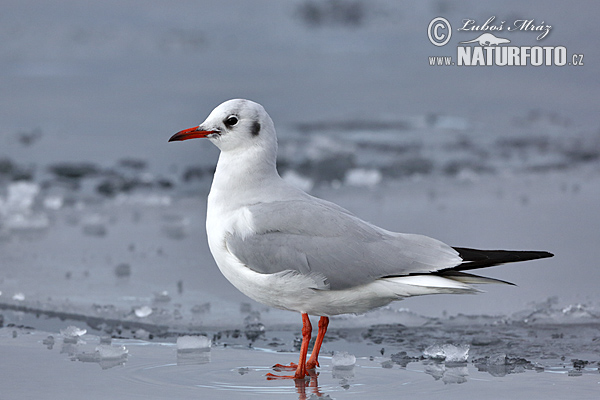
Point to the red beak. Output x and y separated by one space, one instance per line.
190 133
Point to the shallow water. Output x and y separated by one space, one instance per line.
155 370
102 221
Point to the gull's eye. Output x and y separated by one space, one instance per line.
231 121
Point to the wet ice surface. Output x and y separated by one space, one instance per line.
391 358
136 305
107 287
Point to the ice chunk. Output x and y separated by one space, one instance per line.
193 350
16 209
403 359
26 221
363 177
106 356
53 202
193 343
20 198
108 352
162 297
343 360
143 311
142 334
297 180
73 332
49 342
94 225
447 352
18 296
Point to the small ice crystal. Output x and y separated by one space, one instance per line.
343 360
192 343
53 202
48 342
108 352
498 359
363 177
447 352
162 297
72 332
19 296
143 311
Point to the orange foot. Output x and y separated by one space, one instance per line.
300 373
281 367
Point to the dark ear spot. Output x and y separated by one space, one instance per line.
255 128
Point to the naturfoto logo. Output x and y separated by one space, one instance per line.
497 49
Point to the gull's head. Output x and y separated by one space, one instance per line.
235 125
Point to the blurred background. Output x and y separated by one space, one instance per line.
100 216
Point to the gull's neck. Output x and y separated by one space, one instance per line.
244 177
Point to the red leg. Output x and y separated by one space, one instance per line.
301 368
314 357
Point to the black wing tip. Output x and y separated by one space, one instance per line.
474 258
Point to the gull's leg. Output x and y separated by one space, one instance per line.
306 332
301 367
314 357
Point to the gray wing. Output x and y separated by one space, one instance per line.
318 237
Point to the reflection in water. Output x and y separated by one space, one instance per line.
309 386
193 350
447 372
105 355
193 356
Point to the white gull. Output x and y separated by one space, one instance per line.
287 249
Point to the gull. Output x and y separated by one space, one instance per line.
287 249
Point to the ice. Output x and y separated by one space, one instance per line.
105 355
193 343
297 180
143 311
501 364
447 373
17 208
162 297
448 352
549 312
363 177
73 332
343 360
193 350
48 342
94 225
108 352
53 202
18 296
20 197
